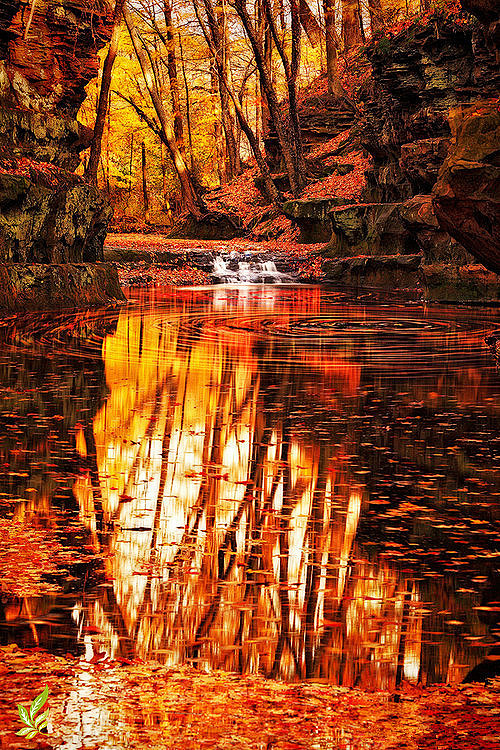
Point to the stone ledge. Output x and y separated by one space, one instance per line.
443 282
68 285
382 272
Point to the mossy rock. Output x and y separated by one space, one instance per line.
40 224
40 286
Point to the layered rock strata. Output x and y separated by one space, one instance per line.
49 215
432 128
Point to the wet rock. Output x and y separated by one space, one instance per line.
368 229
48 214
38 287
43 225
313 217
417 214
466 197
382 272
443 282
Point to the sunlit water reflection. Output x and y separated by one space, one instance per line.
267 479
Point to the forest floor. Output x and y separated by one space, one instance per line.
109 705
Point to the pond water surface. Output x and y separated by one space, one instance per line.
268 479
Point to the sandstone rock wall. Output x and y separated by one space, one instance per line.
419 76
431 122
48 214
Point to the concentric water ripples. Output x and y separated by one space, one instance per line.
409 337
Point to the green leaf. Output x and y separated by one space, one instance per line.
43 725
32 733
39 701
24 715
24 731
41 718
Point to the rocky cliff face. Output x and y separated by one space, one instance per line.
419 76
466 196
433 131
47 213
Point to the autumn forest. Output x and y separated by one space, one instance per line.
249 374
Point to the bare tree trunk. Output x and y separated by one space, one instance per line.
144 183
291 72
232 154
376 16
103 103
334 85
163 173
361 26
218 139
130 164
292 89
286 146
264 33
211 35
172 77
192 200
188 102
309 23
351 30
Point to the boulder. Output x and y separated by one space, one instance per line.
442 282
368 229
417 215
43 286
313 217
466 197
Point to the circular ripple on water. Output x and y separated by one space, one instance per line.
378 335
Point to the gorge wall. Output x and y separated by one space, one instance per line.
432 126
49 215
429 117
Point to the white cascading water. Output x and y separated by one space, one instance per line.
248 272
222 271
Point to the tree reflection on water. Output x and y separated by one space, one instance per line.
279 481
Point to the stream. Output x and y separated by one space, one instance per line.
263 478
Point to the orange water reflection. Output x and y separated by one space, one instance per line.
279 481
232 500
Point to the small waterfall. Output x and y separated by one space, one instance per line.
222 272
231 269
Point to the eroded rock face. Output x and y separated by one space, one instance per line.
48 214
313 217
369 229
47 286
41 225
440 165
418 75
45 68
437 246
467 194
